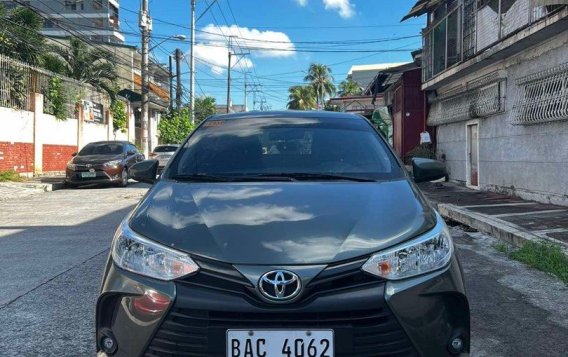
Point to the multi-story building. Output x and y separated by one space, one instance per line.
496 77
96 20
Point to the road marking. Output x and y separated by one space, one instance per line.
528 213
553 230
502 205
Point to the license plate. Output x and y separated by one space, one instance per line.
279 343
88 174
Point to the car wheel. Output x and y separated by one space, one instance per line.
124 177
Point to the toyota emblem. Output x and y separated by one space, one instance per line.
279 285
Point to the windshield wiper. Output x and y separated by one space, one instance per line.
201 178
299 176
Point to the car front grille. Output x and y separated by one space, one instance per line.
363 333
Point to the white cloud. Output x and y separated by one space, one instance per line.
302 2
343 7
216 57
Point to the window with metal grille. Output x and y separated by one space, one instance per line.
541 97
477 99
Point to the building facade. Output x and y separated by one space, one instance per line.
496 77
97 20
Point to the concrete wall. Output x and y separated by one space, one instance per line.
34 142
530 161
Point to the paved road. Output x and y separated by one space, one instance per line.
53 247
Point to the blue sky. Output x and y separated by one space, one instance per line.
283 38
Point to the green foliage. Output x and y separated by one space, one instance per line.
204 107
20 36
547 257
119 116
15 82
10 175
423 150
501 247
331 107
175 126
320 78
56 99
301 98
85 64
349 88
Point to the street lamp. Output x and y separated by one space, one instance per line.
175 37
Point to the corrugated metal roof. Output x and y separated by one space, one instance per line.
420 8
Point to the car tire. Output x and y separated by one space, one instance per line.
123 178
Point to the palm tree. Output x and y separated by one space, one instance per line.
320 78
20 36
348 88
204 107
301 98
84 64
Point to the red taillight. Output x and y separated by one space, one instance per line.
153 154
151 303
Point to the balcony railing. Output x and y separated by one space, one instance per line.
474 26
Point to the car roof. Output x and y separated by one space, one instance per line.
286 114
111 142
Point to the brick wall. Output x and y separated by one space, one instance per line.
17 156
55 157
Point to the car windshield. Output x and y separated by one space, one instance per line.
102 149
165 148
296 148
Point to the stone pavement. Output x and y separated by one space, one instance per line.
509 218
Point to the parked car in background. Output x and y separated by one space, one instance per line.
163 153
284 234
102 162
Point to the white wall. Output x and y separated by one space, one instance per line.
57 132
94 132
530 161
16 126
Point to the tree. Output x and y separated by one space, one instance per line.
348 88
20 36
204 107
320 78
175 126
119 115
301 98
85 64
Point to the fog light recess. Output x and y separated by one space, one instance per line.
108 342
456 345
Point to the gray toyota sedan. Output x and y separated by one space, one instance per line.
283 234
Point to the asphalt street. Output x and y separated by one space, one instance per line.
53 247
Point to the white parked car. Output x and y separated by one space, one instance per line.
163 153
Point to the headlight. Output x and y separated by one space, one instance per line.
421 255
113 163
71 166
134 253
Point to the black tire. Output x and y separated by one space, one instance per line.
123 178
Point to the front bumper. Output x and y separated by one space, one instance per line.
102 176
417 316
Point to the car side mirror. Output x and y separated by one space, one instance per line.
144 171
130 152
427 170
74 154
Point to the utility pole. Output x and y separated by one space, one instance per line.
171 82
178 78
229 78
145 23
192 65
245 94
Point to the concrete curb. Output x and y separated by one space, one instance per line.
498 228
46 187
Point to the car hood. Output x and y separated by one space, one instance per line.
282 223
96 159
